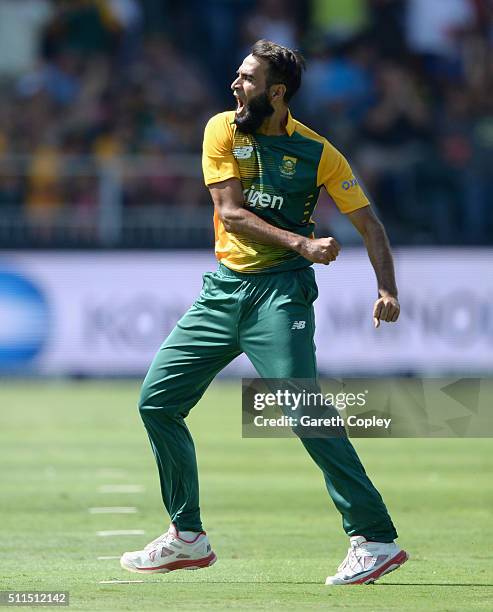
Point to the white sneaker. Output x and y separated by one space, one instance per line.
170 552
365 562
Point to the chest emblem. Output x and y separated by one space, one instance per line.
288 166
243 152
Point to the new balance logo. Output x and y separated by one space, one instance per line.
298 325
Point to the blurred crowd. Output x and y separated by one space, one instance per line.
403 87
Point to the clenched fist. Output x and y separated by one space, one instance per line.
387 308
320 250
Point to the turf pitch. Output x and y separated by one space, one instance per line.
264 506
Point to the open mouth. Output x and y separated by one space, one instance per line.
240 105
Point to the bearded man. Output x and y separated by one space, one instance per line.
264 170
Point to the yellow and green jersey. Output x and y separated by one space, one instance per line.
281 177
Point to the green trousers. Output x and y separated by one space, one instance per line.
270 318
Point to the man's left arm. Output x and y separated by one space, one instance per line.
387 306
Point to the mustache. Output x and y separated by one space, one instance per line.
256 111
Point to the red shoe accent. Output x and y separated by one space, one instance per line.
400 558
183 564
177 534
200 533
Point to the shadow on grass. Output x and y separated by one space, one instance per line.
444 584
320 583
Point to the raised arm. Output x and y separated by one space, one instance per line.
387 306
228 201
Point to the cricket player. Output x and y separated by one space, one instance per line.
264 170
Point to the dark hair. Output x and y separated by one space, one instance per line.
284 65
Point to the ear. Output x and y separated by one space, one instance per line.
277 92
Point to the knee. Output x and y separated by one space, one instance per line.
151 405
156 404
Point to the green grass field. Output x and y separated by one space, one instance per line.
270 520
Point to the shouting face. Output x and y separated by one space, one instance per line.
250 90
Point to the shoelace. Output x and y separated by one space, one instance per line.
354 559
162 539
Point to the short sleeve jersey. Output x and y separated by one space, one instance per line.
281 178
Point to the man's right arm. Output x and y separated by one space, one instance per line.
228 201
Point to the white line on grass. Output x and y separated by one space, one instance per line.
120 532
121 581
113 510
117 488
107 558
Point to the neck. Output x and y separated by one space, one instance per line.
275 125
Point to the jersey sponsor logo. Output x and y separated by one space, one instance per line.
260 199
348 184
243 152
288 166
298 325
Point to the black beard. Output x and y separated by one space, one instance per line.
256 111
